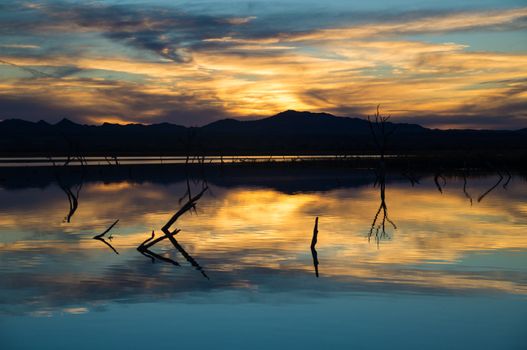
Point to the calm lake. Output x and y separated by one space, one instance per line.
440 263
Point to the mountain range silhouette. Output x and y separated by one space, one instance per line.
288 132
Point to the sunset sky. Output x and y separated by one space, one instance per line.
447 64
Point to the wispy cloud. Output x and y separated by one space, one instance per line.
450 22
19 46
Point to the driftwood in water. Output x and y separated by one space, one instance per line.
190 204
500 179
438 176
100 237
313 245
144 248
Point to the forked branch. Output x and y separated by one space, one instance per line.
100 237
144 248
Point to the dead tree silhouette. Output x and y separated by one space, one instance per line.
379 130
380 134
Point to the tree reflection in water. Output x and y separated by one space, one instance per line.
144 248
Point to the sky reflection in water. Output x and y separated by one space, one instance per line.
448 263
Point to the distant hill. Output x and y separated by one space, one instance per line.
289 132
303 122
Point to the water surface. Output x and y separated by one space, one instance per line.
447 270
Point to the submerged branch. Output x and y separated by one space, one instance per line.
465 188
107 230
99 237
378 226
313 245
500 179
438 176
144 248
191 204
509 177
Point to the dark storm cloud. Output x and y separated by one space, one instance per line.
135 105
35 108
185 109
165 31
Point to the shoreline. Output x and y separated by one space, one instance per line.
482 161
